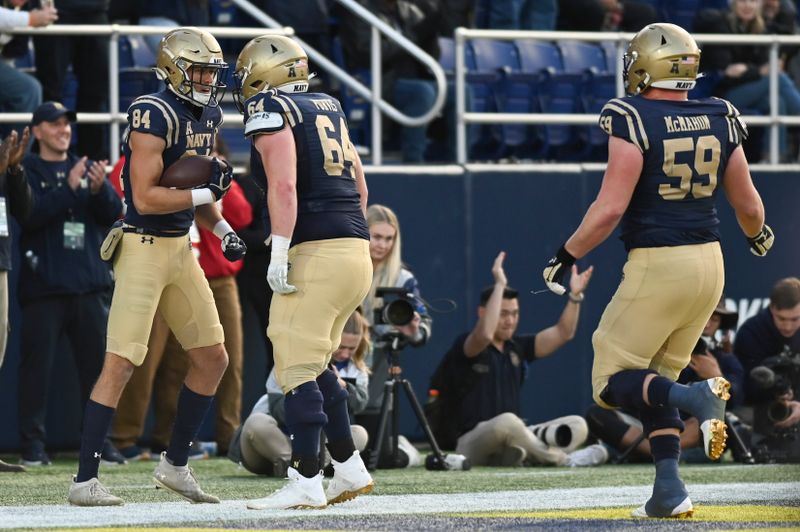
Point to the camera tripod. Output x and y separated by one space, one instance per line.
391 396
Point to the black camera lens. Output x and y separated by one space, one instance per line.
398 312
778 411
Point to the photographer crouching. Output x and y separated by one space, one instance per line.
768 345
394 324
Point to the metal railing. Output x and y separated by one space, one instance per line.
373 94
114 31
462 35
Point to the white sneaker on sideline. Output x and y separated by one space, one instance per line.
180 480
350 479
414 456
91 493
593 455
300 492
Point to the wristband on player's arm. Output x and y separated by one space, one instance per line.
202 196
222 228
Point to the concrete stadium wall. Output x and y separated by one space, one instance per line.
453 223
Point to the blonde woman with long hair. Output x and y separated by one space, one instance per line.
388 271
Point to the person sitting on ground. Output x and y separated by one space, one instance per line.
261 445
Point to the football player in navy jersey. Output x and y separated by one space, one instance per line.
316 197
667 158
153 263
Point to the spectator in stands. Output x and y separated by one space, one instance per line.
516 14
388 271
406 82
20 92
166 363
262 446
456 14
481 375
604 15
88 56
710 358
64 286
769 340
15 199
170 14
743 69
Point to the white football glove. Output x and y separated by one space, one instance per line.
278 271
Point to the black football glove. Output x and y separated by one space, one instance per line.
233 247
555 270
762 242
220 182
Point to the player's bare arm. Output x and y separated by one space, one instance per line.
207 216
280 164
489 316
552 338
742 195
622 173
361 181
146 167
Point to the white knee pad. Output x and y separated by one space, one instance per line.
568 432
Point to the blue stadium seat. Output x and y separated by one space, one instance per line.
134 52
447 56
134 82
489 64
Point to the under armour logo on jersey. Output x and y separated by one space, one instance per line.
149 239
97 455
209 123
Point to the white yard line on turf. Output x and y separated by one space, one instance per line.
175 513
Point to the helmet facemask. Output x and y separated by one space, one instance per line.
190 62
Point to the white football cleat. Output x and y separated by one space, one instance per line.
91 493
683 511
180 480
589 456
299 493
350 479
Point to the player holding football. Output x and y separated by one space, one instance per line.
154 266
666 157
316 197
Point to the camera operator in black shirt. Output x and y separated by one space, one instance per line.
768 346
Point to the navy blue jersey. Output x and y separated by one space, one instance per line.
686 146
328 202
187 129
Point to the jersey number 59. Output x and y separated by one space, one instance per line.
703 166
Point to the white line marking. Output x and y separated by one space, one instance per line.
175 513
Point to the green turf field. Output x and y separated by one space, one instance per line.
726 496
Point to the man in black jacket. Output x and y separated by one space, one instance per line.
64 285
15 199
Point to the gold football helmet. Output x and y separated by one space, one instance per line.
661 55
270 61
187 52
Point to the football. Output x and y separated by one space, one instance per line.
189 172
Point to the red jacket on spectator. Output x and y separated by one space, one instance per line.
235 209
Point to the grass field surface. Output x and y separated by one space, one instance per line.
727 496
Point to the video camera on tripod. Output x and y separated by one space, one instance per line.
399 307
779 376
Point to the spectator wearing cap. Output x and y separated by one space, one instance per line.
20 92
64 286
